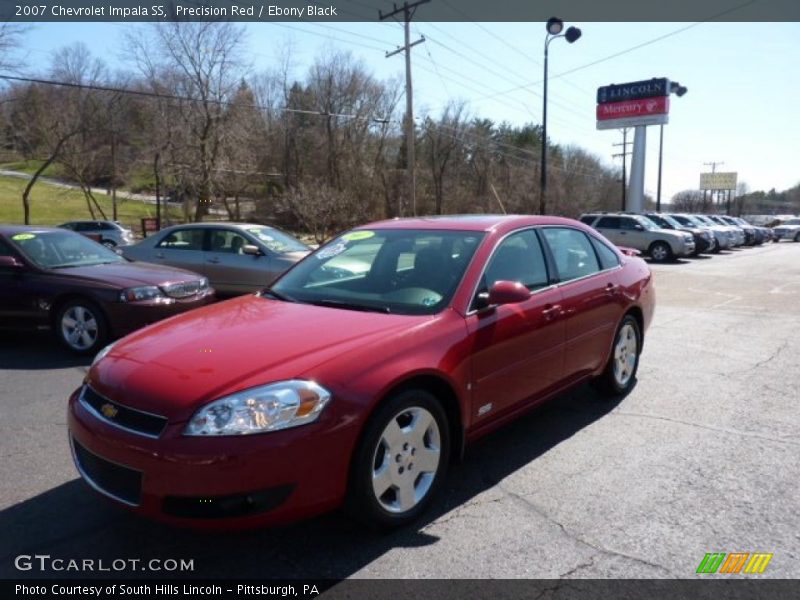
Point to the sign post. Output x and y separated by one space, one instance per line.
636 104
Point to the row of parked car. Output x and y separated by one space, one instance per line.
89 292
667 236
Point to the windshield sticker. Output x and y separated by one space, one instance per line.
332 250
356 236
20 237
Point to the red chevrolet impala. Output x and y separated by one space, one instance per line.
361 373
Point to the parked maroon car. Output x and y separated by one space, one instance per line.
88 294
360 373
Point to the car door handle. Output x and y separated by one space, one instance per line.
214 260
160 255
623 233
612 289
551 311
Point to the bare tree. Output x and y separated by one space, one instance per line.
204 63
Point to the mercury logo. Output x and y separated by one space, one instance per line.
109 411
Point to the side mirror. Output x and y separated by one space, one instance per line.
252 250
507 292
10 262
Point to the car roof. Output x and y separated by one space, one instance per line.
475 222
9 230
217 224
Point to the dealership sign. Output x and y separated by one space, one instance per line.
649 88
718 181
629 113
633 104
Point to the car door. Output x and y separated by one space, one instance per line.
517 349
611 228
588 274
633 234
229 269
182 248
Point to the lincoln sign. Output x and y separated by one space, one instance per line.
633 104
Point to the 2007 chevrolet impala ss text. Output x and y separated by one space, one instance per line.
361 373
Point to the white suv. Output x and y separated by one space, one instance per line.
108 233
635 231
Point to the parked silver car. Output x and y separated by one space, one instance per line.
108 233
788 230
636 231
237 258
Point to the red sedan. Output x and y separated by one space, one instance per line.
361 373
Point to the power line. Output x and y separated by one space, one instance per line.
162 96
622 52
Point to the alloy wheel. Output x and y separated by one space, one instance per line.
625 352
79 328
406 460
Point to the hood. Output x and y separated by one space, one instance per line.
126 274
175 366
788 227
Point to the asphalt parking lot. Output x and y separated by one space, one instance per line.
703 456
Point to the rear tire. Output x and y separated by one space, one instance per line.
620 372
660 252
81 326
401 462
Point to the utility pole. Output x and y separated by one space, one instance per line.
408 11
624 154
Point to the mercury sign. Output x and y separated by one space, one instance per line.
633 104
629 113
718 181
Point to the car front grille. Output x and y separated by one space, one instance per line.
184 289
118 415
116 481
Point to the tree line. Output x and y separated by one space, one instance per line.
190 119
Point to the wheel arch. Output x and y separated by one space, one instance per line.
443 391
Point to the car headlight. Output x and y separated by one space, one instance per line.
100 355
260 409
146 292
688 238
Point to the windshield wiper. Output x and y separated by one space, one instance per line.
351 306
276 295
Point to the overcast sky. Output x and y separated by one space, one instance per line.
741 107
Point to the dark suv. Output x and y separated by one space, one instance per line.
703 239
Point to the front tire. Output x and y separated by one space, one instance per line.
660 252
81 326
401 461
620 372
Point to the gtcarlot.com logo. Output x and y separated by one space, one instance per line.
45 562
734 563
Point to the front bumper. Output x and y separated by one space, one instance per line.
213 483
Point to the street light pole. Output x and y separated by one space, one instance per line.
554 28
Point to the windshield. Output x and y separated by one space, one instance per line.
62 249
277 241
791 222
646 223
705 220
672 221
403 271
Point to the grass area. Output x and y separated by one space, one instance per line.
52 205
30 167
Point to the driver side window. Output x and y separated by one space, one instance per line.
518 258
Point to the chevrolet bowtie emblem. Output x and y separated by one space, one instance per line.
109 411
